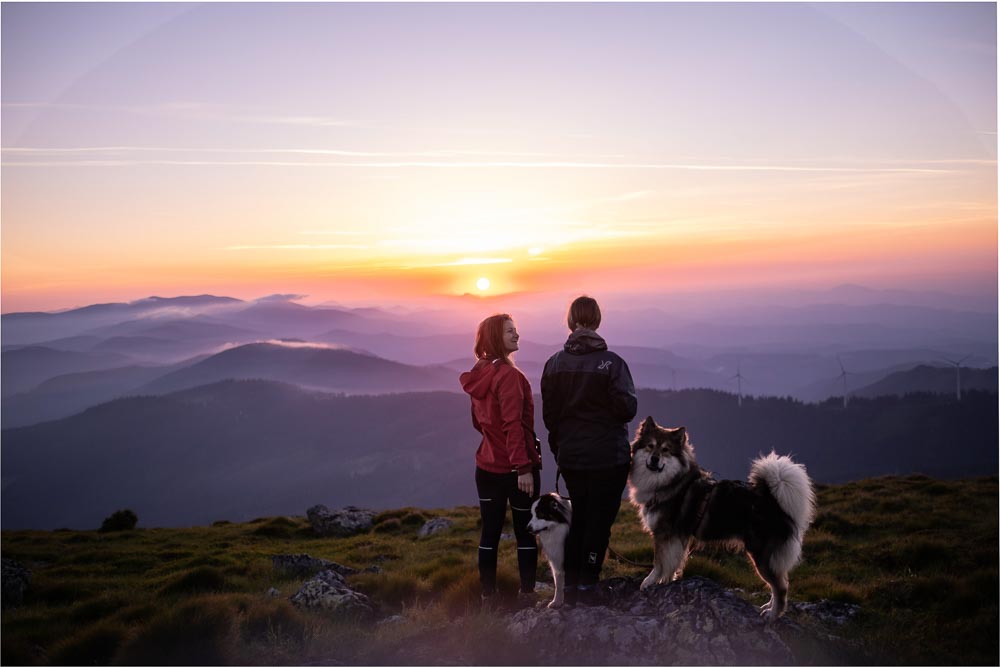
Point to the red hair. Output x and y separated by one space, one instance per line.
489 338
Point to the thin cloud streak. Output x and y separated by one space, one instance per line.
330 232
299 246
440 153
471 261
194 110
483 165
918 165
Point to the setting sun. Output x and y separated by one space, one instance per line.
483 284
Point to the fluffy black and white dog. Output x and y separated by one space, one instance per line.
682 506
550 518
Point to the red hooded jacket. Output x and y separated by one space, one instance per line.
504 412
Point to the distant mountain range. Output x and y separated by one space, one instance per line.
55 364
340 370
27 367
309 366
934 379
240 449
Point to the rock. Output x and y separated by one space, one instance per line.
826 611
273 592
435 525
328 590
16 579
340 523
391 620
305 565
693 621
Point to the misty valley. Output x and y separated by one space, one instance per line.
191 410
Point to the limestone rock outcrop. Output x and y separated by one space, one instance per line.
344 522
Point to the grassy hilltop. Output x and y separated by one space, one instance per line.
920 557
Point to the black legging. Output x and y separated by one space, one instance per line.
495 490
596 496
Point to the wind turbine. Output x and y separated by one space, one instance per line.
958 375
673 377
843 376
739 385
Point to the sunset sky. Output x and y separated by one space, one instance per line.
392 151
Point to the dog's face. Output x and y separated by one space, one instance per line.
548 512
660 452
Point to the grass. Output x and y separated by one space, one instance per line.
920 557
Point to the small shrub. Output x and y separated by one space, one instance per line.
462 595
279 528
202 579
274 622
218 524
413 519
389 526
196 632
392 588
446 561
95 645
120 520
406 516
443 578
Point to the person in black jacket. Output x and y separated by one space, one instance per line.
588 399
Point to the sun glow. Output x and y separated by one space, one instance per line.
483 284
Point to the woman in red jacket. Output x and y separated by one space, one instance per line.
507 461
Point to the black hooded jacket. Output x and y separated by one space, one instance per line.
588 399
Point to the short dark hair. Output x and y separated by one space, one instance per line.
583 312
489 338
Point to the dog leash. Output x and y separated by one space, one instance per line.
617 556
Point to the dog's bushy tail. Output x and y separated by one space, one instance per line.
790 486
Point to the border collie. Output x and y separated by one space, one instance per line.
550 518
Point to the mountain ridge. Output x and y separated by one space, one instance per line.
245 448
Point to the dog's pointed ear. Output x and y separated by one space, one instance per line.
647 425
